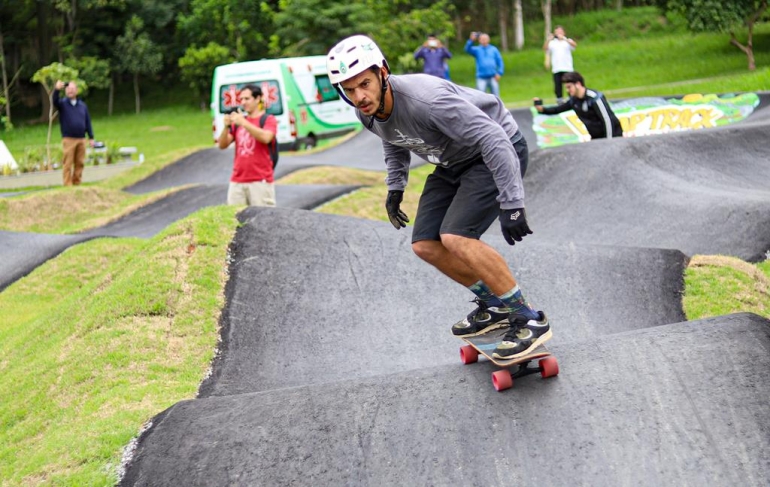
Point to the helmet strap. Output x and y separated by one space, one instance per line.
383 93
381 108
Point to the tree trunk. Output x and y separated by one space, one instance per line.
111 97
136 92
47 164
6 94
503 24
43 53
546 6
748 49
518 22
459 29
619 5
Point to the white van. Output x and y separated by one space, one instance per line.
296 90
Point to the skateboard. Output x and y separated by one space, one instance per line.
485 344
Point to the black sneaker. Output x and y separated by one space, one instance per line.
483 319
523 337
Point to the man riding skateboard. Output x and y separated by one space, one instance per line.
480 157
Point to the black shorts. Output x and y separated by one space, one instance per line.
462 200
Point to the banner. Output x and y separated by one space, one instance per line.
649 116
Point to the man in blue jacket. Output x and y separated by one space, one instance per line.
435 56
75 123
489 63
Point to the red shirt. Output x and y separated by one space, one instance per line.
252 158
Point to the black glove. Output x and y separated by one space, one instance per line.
393 205
514 225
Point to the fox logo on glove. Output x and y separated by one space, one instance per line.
515 216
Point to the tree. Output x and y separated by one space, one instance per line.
518 23
244 26
721 16
503 24
95 72
545 5
407 30
138 54
47 77
197 66
6 119
308 27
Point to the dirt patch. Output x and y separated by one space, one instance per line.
162 128
44 210
333 175
760 280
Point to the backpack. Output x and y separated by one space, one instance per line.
273 144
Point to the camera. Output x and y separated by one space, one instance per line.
66 84
433 43
230 110
538 102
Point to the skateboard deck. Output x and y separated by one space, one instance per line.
485 345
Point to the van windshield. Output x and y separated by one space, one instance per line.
229 95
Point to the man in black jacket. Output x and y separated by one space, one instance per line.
75 122
590 106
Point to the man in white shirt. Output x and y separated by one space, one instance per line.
559 48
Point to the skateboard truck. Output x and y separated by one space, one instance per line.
502 379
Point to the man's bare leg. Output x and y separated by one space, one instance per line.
466 261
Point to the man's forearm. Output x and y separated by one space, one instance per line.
224 138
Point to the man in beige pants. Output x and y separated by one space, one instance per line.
75 123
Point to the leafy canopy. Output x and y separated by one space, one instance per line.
714 15
197 65
135 50
49 75
311 27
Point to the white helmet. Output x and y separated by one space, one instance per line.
352 56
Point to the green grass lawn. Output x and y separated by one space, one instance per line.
154 132
103 337
637 66
98 340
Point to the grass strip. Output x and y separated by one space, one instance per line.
71 209
100 339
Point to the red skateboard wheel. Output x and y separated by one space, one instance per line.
468 355
502 380
549 367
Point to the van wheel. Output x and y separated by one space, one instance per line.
310 142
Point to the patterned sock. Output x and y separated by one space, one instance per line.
485 294
514 300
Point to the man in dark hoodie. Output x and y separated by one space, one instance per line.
590 106
75 123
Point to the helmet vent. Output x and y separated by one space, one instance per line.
353 63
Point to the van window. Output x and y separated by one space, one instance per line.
326 92
229 96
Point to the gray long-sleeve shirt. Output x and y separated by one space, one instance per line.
447 124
